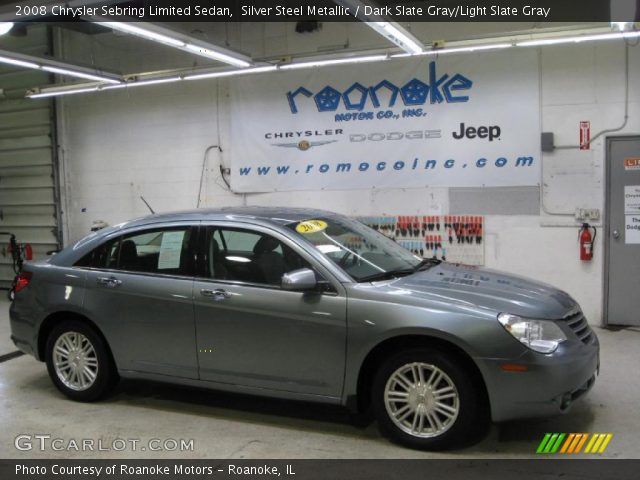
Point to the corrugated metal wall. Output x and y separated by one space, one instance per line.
27 179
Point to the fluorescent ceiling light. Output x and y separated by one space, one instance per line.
397 35
392 31
142 32
5 27
72 73
56 93
578 39
67 90
478 48
142 83
335 61
167 37
221 57
238 259
230 73
444 51
54 66
19 63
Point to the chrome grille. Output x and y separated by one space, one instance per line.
577 322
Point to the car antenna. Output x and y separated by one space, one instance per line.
147 204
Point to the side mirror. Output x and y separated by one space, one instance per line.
299 280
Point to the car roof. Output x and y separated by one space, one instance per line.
273 215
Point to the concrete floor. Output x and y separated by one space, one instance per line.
228 426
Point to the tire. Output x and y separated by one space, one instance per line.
87 349
410 414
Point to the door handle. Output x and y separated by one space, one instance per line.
109 282
218 294
616 234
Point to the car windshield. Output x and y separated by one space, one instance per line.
363 253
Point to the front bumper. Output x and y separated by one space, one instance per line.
549 386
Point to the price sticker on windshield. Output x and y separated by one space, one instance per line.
311 226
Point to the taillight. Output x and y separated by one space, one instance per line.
23 280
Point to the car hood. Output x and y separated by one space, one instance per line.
470 286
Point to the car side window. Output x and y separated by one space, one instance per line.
248 256
151 251
104 256
156 251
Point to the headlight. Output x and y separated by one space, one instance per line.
542 336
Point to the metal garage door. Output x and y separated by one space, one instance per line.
622 261
27 181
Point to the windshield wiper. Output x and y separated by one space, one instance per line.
425 264
386 275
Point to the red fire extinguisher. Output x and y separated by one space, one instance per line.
586 242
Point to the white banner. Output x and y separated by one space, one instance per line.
458 120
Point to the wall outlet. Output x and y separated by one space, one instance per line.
584 214
593 213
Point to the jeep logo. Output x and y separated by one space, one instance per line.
490 132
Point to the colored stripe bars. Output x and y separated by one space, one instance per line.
574 443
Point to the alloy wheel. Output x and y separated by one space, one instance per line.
75 361
421 400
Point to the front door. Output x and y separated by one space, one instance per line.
622 270
251 332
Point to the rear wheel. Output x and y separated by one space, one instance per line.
78 361
425 399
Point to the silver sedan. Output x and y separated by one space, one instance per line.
308 305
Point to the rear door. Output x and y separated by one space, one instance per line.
253 333
139 291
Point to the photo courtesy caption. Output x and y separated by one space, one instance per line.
160 470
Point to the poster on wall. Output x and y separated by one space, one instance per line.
455 120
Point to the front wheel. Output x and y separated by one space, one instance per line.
78 361
425 399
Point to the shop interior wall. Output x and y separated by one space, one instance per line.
116 146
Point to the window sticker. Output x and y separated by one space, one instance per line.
170 250
329 249
311 226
